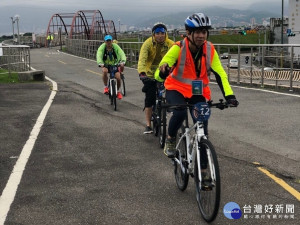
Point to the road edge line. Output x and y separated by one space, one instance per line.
9 192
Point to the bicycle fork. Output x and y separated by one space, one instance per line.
112 80
200 135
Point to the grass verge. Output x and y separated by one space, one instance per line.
6 78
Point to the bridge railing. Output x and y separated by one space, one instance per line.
88 49
275 65
15 58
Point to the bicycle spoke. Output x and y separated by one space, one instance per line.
208 189
180 163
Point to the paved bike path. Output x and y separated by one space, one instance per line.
91 165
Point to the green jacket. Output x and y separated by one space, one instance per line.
50 37
113 59
151 54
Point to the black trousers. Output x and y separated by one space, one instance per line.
175 97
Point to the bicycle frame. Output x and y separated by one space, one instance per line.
112 83
158 113
192 145
112 79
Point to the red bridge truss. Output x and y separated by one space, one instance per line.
84 24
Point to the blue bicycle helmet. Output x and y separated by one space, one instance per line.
197 21
108 38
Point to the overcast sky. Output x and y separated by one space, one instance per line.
124 4
36 13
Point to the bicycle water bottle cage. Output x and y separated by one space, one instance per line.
201 111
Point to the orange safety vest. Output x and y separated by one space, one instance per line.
184 73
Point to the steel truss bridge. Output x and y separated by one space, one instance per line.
84 24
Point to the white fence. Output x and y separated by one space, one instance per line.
15 58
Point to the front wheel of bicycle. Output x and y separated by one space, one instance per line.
181 163
163 128
114 95
155 120
123 88
208 190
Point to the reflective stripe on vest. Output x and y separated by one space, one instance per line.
182 63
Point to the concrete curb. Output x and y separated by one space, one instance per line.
33 75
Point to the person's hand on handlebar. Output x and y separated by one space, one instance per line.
232 101
164 71
143 76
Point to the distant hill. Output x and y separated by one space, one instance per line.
220 17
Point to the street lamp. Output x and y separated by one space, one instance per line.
17 19
13 27
119 25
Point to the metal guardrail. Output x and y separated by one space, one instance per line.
281 58
88 49
15 58
268 64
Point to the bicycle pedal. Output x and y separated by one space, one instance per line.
207 187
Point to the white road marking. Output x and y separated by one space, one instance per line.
11 187
262 90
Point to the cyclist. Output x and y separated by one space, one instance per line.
49 40
110 53
193 59
151 53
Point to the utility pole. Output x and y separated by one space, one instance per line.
13 27
17 19
281 33
281 21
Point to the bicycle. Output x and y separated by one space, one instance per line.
196 157
159 112
112 84
159 124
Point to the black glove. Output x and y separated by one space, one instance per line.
143 76
165 74
231 100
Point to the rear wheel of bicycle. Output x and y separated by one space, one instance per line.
114 95
123 88
180 162
163 128
208 194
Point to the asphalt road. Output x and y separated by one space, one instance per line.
92 165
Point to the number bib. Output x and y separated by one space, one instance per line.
197 87
201 111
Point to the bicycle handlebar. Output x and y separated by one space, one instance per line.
220 105
106 65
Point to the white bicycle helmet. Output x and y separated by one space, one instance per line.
197 21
